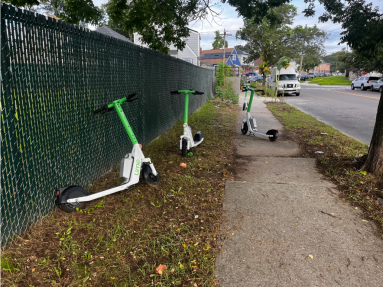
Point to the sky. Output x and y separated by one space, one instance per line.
231 22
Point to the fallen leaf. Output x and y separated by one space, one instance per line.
266 162
312 257
225 172
161 268
181 266
33 269
112 278
358 191
364 220
184 245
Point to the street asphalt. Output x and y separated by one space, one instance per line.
351 111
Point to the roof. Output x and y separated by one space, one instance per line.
215 55
216 51
111 33
213 61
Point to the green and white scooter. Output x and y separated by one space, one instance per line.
245 103
250 124
187 141
132 165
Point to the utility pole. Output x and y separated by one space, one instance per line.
224 42
336 65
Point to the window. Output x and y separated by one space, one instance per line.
188 60
287 77
234 57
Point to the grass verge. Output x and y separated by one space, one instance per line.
332 80
340 161
121 239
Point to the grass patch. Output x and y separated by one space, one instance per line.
121 239
332 80
341 159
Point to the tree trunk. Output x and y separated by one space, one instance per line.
374 162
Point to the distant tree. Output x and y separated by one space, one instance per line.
218 41
268 40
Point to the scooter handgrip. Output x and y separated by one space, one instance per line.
174 92
104 108
131 96
198 93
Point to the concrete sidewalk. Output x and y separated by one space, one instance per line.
285 225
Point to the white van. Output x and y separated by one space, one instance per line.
288 81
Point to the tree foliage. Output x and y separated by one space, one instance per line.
218 41
259 10
71 11
273 41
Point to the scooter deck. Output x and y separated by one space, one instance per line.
198 143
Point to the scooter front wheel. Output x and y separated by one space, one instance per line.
244 129
184 147
244 106
73 192
150 178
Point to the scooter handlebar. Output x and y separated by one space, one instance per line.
198 93
102 110
174 92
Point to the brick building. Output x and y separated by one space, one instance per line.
322 68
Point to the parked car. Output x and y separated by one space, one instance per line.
363 82
304 77
327 74
377 86
311 75
256 79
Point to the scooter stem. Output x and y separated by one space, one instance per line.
120 112
251 100
186 108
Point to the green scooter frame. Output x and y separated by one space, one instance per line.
245 103
250 124
132 165
187 141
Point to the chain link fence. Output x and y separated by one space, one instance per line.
54 75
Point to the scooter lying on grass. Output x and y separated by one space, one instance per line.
132 165
245 103
251 123
187 141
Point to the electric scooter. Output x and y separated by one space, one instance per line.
251 123
132 165
245 103
187 141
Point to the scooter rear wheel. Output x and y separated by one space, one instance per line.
244 106
73 192
150 178
184 147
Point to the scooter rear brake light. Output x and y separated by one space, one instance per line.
277 132
57 192
368 81
140 146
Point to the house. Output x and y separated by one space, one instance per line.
191 52
111 33
215 56
322 68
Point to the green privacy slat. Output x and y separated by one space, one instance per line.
53 75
